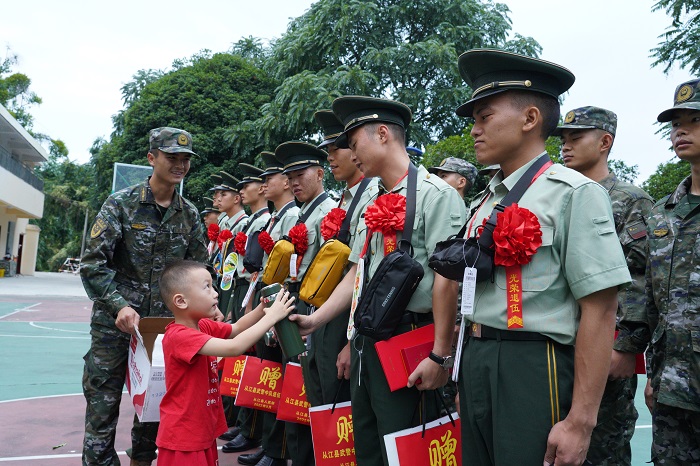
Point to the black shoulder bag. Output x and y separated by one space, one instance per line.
386 296
456 253
252 261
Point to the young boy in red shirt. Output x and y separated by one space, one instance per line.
191 415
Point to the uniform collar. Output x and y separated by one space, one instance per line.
609 181
679 193
514 177
422 175
146 196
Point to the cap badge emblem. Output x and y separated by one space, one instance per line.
569 117
684 93
182 140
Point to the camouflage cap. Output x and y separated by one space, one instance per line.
588 118
687 97
455 165
171 140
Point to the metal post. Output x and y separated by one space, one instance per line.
85 226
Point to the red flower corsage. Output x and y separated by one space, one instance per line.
224 236
213 231
387 214
239 243
299 236
330 225
266 242
517 236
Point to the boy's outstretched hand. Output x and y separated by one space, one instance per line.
282 306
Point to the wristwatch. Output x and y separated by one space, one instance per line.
445 362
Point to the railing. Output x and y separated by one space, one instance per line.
16 168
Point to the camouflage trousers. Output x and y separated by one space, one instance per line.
103 382
676 436
610 440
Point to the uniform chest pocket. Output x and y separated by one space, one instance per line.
539 274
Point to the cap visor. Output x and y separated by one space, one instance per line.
667 115
558 130
467 109
176 150
325 143
299 167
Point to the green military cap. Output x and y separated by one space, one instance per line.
171 140
297 155
356 110
250 174
490 71
491 168
216 178
228 182
455 165
272 165
330 124
209 206
588 118
687 97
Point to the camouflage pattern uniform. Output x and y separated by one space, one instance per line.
130 245
673 300
610 440
459 166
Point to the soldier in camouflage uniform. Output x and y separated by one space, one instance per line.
458 173
138 231
587 136
673 295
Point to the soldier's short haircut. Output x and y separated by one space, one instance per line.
548 106
176 276
397 131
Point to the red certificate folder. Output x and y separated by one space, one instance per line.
400 355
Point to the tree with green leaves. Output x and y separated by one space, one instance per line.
15 94
679 44
205 95
666 178
401 49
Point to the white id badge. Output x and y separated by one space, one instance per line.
468 291
293 266
356 293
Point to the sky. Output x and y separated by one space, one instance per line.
78 55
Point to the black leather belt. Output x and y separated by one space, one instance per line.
416 318
490 333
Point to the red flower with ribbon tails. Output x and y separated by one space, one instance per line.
330 225
224 236
239 243
266 242
299 236
517 236
387 215
213 232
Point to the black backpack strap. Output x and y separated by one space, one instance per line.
240 219
312 207
344 233
255 216
411 193
514 195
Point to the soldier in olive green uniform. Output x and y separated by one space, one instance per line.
276 189
303 166
331 341
138 231
250 187
210 214
587 136
673 295
374 129
525 397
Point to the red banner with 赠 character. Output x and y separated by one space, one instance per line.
293 406
231 375
440 446
333 435
260 385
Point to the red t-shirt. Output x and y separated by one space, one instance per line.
191 414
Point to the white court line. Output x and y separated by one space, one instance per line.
33 324
45 336
49 457
24 309
43 397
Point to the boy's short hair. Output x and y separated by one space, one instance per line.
175 278
548 106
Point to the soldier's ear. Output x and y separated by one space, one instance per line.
606 141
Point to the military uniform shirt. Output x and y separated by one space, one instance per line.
281 227
313 225
250 228
673 299
223 218
580 252
236 223
631 206
129 247
440 213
